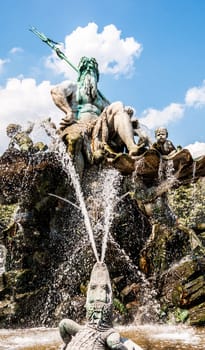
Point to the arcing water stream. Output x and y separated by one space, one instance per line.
70 170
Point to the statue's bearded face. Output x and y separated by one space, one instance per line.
88 76
99 313
90 85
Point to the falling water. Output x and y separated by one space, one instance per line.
104 198
110 191
166 169
109 194
2 258
194 170
169 169
194 183
68 167
149 308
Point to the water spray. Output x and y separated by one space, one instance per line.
64 199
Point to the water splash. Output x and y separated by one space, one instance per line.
110 198
68 167
3 253
65 200
194 170
193 183
99 209
149 309
169 169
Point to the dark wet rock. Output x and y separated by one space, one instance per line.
49 255
197 315
183 287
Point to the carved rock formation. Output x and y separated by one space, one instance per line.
49 256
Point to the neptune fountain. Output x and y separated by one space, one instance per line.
102 186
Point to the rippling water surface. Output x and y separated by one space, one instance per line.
148 337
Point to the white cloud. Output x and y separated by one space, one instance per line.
153 118
22 101
2 63
16 50
196 149
195 97
113 54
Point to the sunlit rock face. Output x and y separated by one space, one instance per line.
49 257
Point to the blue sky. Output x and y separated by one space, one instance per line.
154 60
